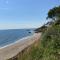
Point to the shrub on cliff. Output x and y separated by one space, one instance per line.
51 43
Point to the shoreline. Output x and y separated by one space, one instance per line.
19 40
13 49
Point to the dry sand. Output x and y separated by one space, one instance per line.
13 49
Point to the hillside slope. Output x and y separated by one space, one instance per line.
47 48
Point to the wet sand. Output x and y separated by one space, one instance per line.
12 50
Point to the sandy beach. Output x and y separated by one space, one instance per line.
12 50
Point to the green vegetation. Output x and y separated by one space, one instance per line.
51 43
48 47
41 29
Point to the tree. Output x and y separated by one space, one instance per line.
54 13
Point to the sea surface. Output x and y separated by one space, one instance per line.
13 35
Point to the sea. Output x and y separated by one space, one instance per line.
12 35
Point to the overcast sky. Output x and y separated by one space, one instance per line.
17 14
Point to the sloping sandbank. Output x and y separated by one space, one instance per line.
13 49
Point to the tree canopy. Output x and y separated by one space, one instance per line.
54 13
